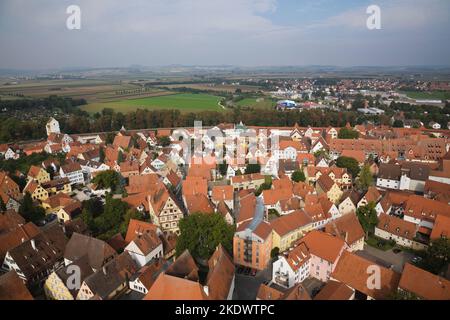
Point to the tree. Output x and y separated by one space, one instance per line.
29 211
435 258
164 141
223 168
107 179
102 155
267 185
252 168
298 176
398 124
275 252
346 133
367 216
2 205
120 157
202 233
350 164
110 220
365 179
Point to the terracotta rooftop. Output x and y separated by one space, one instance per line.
424 284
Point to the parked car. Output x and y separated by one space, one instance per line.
416 259
41 223
50 217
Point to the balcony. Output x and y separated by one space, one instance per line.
282 279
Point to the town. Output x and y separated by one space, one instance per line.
250 213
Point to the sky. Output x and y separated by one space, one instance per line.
117 33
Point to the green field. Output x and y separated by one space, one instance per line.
433 95
182 102
259 103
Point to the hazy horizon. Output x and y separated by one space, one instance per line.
239 33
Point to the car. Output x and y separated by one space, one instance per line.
51 217
41 223
253 272
396 250
416 259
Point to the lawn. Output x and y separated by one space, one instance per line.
433 95
379 243
260 103
183 102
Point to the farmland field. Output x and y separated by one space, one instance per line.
182 102
439 95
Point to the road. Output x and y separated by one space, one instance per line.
386 258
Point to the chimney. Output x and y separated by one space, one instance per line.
104 270
206 290
33 244
23 240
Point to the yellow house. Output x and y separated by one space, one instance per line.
68 212
55 202
38 174
287 229
58 186
55 288
36 191
326 185
57 285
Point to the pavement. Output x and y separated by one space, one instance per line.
247 286
386 258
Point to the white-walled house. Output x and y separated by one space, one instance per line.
145 247
73 172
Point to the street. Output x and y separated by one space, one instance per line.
386 258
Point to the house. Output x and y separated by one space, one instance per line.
220 279
11 153
423 284
14 231
34 259
144 279
349 202
145 247
54 203
423 211
389 176
37 174
122 142
58 285
287 229
98 251
8 186
110 281
357 273
57 186
326 185
13 288
52 126
223 193
198 203
179 282
36 191
372 195
441 228
315 255
398 230
414 176
129 169
252 244
69 211
247 181
334 290
348 229
434 125
165 210
73 172
437 191
137 228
